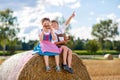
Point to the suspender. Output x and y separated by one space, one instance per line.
60 35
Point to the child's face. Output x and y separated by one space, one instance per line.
46 24
55 25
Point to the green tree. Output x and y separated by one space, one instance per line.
92 46
79 44
71 43
105 30
8 28
108 45
117 45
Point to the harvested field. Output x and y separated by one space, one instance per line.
103 69
98 69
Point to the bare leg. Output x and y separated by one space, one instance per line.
57 60
46 60
64 48
57 63
69 59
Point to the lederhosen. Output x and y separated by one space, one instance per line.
60 35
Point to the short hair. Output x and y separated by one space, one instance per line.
54 21
44 19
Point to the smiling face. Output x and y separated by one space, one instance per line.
46 23
55 24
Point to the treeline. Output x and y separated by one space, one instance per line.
78 44
81 44
104 32
19 45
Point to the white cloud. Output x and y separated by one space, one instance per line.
99 19
57 2
111 16
29 20
29 17
70 1
52 15
114 18
75 5
82 32
119 6
105 17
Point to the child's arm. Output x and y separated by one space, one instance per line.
69 19
41 36
53 34
60 43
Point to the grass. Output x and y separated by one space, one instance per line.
84 52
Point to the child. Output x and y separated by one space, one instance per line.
67 53
46 48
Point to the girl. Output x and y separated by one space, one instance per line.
46 47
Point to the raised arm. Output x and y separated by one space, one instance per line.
69 19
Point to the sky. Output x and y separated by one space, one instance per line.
87 13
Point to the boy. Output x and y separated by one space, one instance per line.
67 53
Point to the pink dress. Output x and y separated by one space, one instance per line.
48 46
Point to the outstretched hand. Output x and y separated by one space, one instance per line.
73 14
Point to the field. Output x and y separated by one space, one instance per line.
103 69
100 69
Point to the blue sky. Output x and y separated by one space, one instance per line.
88 12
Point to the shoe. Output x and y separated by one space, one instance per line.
58 69
65 67
70 70
48 69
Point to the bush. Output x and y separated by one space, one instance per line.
92 46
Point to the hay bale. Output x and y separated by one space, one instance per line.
119 56
25 66
108 56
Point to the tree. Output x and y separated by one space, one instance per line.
8 28
79 44
105 30
108 45
71 43
117 45
92 46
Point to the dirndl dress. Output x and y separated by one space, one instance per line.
46 47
